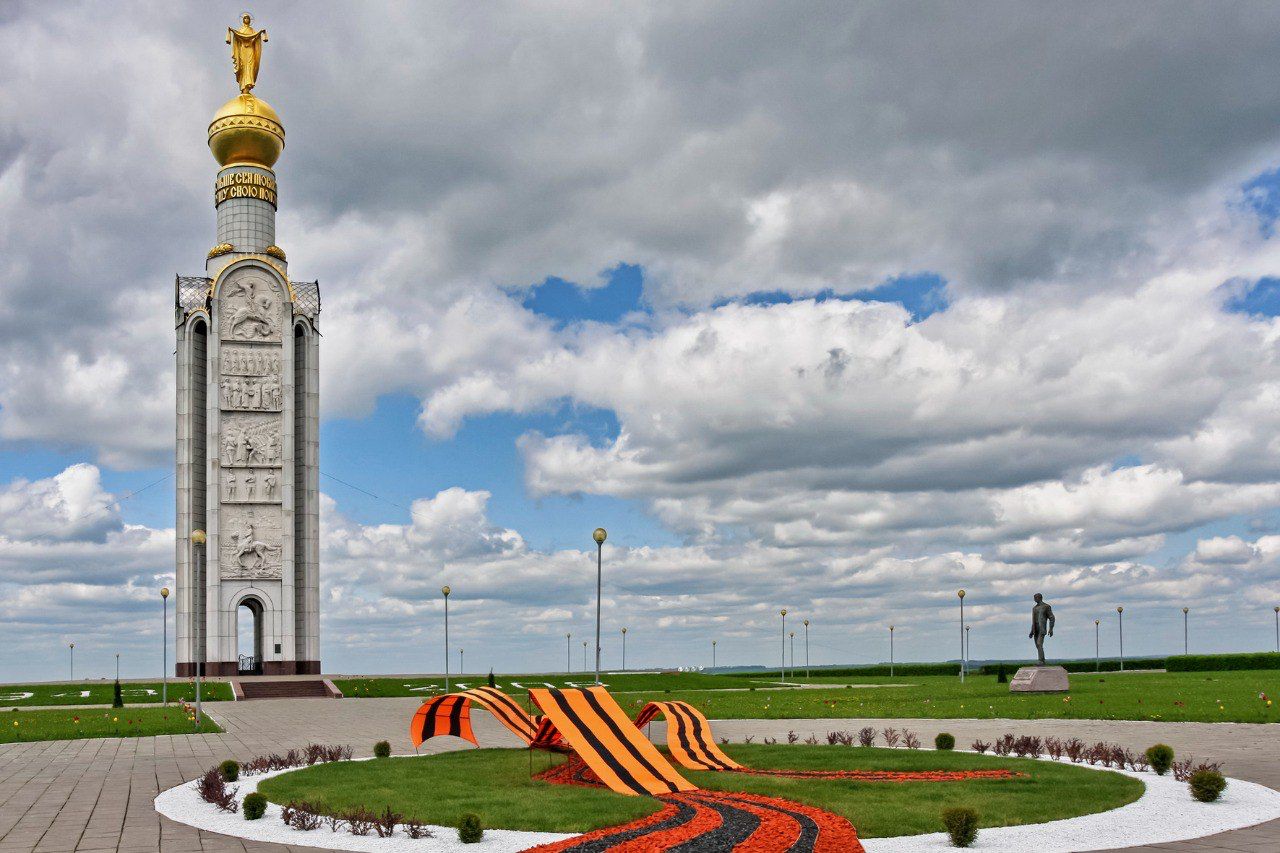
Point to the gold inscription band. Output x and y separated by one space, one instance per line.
244 185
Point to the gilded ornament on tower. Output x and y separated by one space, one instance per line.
276 252
221 249
246 130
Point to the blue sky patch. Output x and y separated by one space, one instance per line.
566 302
1261 298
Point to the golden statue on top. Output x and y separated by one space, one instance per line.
246 53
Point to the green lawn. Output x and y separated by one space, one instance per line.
71 724
495 784
100 693
1173 697
517 684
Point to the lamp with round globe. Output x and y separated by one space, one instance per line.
1097 645
1120 615
624 649
164 647
960 593
599 535
784 644
1185 644
198 540
891 651
445 590
806 649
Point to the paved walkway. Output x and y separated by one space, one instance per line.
96 795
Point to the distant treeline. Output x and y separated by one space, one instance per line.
1175 663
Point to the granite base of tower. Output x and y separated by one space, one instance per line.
230 669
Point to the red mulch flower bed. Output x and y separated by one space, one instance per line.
887 775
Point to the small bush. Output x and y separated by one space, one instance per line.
909 739
1207 785
359 820
213 789
382 749
385 824
945 741
255 806
1001 676
981 746
469 829
1161 758
1219 663
891 737
866 736
117 699
962 826
230 770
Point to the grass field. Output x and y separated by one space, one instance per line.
495 784
1169 697
100 693
16 726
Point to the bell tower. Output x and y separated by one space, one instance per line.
247 579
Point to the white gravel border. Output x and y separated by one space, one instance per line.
1166 812
183 804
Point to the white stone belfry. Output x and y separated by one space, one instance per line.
248 427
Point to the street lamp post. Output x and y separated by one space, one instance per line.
568 654
1120 613
891 651
599 535
198 538
584 656
117 666
793 652
1277 609
968 647
784 645
624 649
960 594
806 649
462 663
73 661
444 590
1097 645
164 646
713 654
1185 645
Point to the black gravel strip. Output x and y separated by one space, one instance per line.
685 814
808 826
737 825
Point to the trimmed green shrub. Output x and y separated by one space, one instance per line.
255 806
1207 785
962 826
229 770
1001 676
117 699
469 829
1219 663
1160 757
944 741
492 682
382 749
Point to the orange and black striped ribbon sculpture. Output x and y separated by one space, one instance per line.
591 722
451 715
443 715
688 736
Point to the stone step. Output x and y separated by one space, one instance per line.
285 689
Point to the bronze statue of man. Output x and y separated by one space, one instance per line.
1041 624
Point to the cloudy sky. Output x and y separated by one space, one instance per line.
830 307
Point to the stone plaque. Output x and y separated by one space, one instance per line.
250 440
1039 679
252 307
250 542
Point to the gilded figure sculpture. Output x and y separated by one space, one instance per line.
246 53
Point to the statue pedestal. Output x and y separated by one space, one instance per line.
1039 679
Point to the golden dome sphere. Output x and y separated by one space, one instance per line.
246 130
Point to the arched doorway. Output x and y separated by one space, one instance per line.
249 636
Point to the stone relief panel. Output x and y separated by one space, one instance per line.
250 361
250 440
251 485
250 393
250 543
252 307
